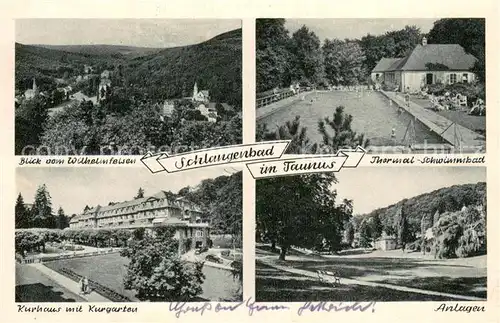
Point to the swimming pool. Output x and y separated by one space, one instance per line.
372 115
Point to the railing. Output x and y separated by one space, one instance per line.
33 260
275 97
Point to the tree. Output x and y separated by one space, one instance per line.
404 233
398 43
156 271
344 62
467 32
376 226
291 130
300 211
140 193
26 241
21 214
41 211
272 54
349 233
307 61
365 235
343 135
62 220
30 120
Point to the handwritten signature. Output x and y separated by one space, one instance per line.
180 308
183 308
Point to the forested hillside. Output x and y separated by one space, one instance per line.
116 51
48 64
160 73
448 199
215 65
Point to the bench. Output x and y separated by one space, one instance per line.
330 274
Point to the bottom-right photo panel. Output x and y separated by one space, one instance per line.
372 234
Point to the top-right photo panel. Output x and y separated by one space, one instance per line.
389 85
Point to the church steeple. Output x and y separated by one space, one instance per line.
195 90
34 87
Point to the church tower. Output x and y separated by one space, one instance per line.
195 90
34 87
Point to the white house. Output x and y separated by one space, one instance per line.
168 108
426 64
385 242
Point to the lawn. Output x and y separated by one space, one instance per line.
109 270
273 285
455 276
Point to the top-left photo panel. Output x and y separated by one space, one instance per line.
127 86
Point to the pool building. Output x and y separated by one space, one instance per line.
426 64
161 209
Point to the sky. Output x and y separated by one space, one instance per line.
369 187
74 187
374 187
356 28
159 33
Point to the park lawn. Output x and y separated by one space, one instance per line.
273 285
440 276
107 270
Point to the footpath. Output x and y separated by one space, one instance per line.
447 129
69 284
348 281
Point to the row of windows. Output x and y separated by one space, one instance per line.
454 78
146 205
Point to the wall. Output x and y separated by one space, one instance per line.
416 80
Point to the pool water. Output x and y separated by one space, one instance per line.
372 115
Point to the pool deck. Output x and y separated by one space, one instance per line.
439 124
263 112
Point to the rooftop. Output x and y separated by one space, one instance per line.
428 57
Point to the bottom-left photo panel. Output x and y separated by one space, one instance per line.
86 234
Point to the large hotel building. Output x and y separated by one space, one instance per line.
160 209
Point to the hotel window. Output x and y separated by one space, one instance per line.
465 77
199 233
453 78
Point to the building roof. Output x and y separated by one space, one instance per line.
162 195
384 64
430 57
227 107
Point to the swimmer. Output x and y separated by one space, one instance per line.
393 133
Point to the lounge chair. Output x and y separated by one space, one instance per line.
328 274
478 109
462 100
